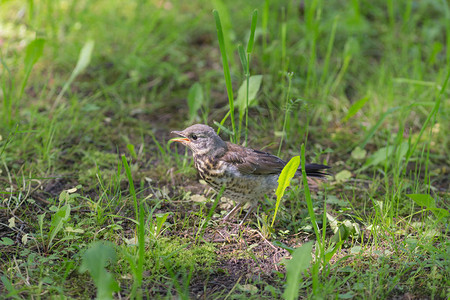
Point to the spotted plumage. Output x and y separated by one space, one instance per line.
246 174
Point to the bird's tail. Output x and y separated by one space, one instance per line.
314 170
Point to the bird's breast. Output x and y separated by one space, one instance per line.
239 187
209 168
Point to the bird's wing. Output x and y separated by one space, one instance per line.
249 161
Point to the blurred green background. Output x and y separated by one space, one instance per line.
363 84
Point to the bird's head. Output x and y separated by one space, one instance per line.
201 139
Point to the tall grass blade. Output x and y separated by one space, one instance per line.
226 72
286 112
82 63
141 245
139 213
320 246
131 185
251 40
308 196
351 48
33 52
242 97
284 181
227 27
329 52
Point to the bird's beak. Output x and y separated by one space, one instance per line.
179 137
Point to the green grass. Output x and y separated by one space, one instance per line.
90 90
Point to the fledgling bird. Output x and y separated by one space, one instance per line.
247 174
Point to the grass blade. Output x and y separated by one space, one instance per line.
226 71
300 261
355 108
33 52
328 53
251 40
131 185
284 181
83 61
243 58
320 248
309 203
138 275
195 100
210 213
57 222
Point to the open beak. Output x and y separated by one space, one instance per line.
179 137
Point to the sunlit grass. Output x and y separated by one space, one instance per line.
363 86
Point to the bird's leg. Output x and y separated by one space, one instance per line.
248 213
233 211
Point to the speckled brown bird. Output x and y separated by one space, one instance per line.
247 174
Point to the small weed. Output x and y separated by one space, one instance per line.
95 259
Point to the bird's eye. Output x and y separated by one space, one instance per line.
194 137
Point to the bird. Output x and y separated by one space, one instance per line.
245 174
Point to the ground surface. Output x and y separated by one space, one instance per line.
90 91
